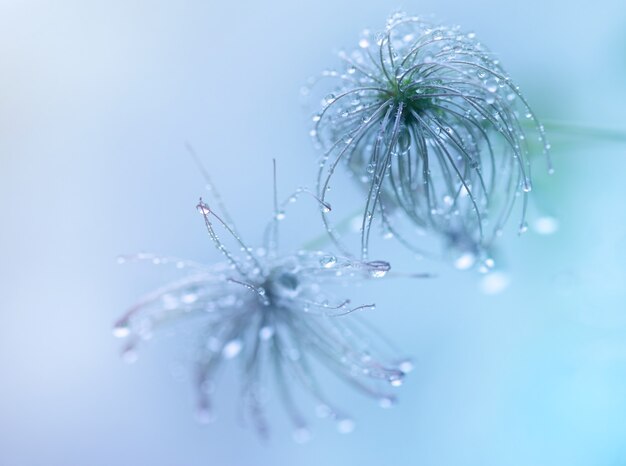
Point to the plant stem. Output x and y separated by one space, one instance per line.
583 130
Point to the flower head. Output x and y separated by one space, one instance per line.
431 125
277 316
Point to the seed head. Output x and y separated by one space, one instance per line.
433 128
276 314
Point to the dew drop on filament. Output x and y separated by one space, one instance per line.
232 349
378 269
406 366
523 228
203 208
189 298
396 379
345 426
121 330
328 261
266 333
465 261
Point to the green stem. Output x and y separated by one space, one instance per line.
582 130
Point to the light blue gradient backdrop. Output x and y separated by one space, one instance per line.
96 101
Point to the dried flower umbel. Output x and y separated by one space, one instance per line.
276 315
426 119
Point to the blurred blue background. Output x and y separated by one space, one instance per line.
96 102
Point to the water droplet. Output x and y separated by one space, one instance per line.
406 366
121 330
345 426
448 200
280 215
546 225
523 228
266 333
396 379
316 118
232 349
465 261
378 269
328 261
189 298
364 43
371 168
203 208
491 85
403 146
